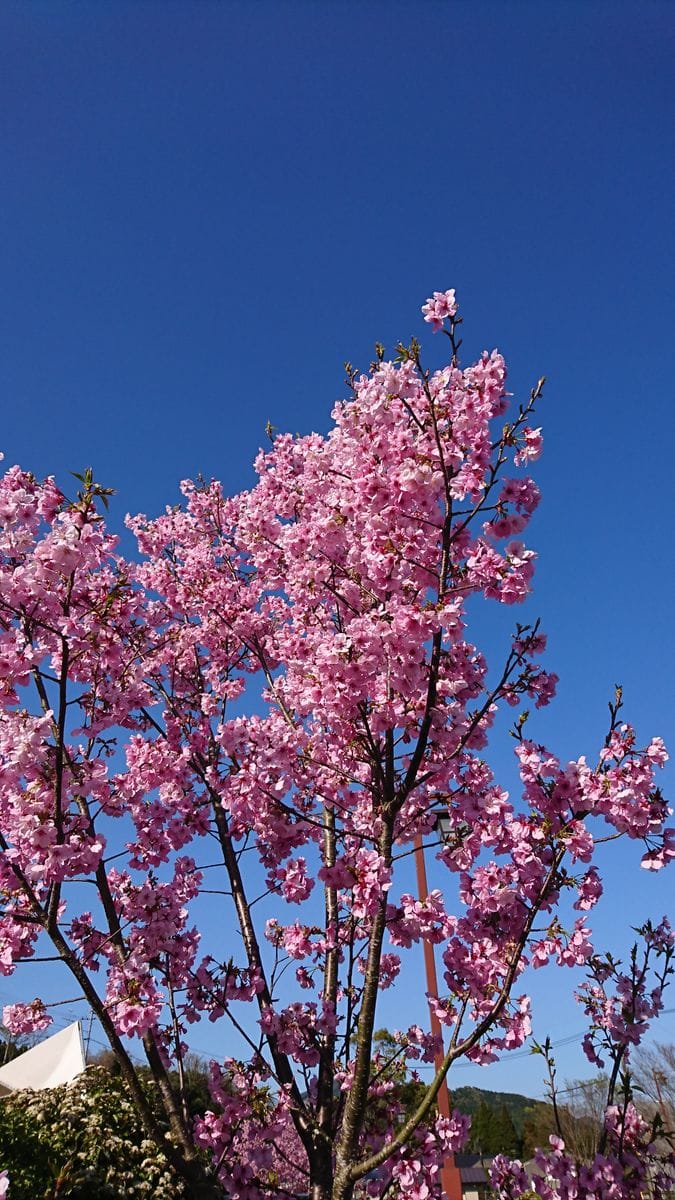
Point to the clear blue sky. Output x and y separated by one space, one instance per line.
207 207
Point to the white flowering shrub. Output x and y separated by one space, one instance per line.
84 1141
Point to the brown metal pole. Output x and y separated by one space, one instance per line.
451 1180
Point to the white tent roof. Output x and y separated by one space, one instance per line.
57 1060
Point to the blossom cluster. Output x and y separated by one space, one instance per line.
273 704
626 1172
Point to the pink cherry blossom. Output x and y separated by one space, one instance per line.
439 307
260 715
26 1018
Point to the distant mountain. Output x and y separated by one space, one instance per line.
469 1099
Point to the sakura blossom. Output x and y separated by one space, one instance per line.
267 708
438 307
26 1018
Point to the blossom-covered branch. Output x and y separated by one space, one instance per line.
287 675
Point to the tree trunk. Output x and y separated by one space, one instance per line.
343 1189
200 1186
321 1170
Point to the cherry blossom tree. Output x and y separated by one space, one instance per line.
276 700
606 1144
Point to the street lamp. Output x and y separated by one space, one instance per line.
451 1180
444 827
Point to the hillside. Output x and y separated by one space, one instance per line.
469 1099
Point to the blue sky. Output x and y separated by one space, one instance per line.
208 207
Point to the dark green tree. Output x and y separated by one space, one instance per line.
11 1047
505 1139
538 1126
481 1129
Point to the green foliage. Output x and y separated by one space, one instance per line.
505 1135
83 1140
196 1084
538 1126
501 1122
469 1099
406 1093
195 1079
480 1121
11 1047
493 1131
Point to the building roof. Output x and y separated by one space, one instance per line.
473 1175
473 1168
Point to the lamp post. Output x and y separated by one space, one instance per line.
451 1180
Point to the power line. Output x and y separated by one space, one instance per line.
509 1056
